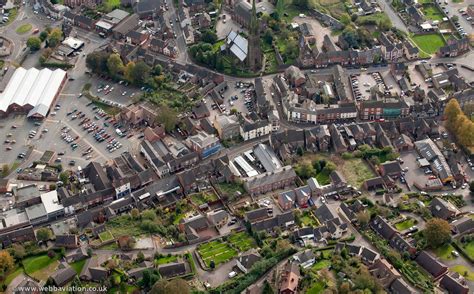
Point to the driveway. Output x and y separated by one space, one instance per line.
217 276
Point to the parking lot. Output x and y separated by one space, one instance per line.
119 94
237 96
361 84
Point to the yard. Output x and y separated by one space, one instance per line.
40 267
11 276
23 29
468 248
203 197
109 5
242 241
432 12
356 172
404 225
429 43
308 220
444 252
463 271
105 236
217 251
317 288
231 189
166 259
78 265
323 263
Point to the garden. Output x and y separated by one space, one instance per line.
429 43
432 12
405 224
166 259
356 172
105 236
242 241
41 266
203 197
307 219
445 252
466 245
216 252
463 271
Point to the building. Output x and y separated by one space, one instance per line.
439 165
246 261
289 279
454 48
249 130
431 265
204 144
443 209
32 92
227 127
254 58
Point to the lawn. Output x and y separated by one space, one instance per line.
23 29
469 248
317 288
231 189
105 236
444 252
78 265
429 43
271 64
463 271
203 197
166 259
242 241
308 220
11 276
356 172
36 263
109 5
404 225
124 225
217 251
323 263
432 12
323 178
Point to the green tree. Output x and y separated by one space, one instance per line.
437 232
471 187
44 234
167 117
128 71
64 177
55 37
209 36
138 73
34 43
304 4
135 213
97 62
363 218
43 36
452 111
268 35
115 65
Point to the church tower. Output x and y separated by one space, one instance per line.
254 57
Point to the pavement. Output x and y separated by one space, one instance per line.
393 15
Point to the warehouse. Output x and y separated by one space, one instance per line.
32 91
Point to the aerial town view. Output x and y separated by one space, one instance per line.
237 146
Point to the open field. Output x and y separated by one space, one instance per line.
217 251
356 172
41 267
429 43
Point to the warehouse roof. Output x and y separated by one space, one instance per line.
36 88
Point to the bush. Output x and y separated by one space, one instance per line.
347 155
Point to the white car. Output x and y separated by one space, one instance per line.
232 274
464 186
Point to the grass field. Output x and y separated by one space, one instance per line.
36 263
324 263
432 12
356 172
166 259
110 5
469 248
11 276
428 43
444 252
217 251
404 225
463 271
308 220
242 241
317 288
78 265
23 29
105 236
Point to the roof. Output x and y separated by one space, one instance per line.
463 225
51 202
431 264
146 6
33 87
248 260
256 214
116 16
290 278
238 44
382 227
442 208
127 24
64 275
323 213
399 286
453 286
172 269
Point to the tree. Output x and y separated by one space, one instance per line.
6 262
115 65
135 213
149 215
267 289
44 234
167 117
64 177
437 232
304 4
212 264
34 43
140 257
17 251
139 73
55 37
363 218
128 71
452 111
43 35
454 18
471 187
173 286
97 62
209 36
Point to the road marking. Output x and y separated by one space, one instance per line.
85 140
